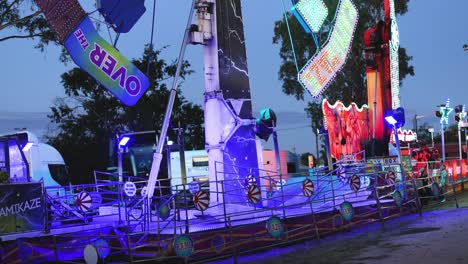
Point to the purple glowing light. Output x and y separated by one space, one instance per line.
123 141
391 120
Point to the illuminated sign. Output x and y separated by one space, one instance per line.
394 60
311 14
183 246
347 211
348 129
404 136
275 227
105 64
322 68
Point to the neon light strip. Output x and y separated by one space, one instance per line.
394 59
347 108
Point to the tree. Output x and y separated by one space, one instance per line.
90 117
21 19
424 136
349 84
450 134
4 177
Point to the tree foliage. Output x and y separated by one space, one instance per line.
89 117
424 136
21 19
4 177
350 83
450 134
304 158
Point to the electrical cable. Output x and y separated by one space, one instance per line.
151 40
290 36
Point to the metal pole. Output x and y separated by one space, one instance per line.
397 141
278 166
157 157
466 140
317 157
314 222
169 165
459 141
119 163
224 205
374 113
180 142
186 211
333 191
442 139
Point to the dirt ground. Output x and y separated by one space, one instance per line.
439 236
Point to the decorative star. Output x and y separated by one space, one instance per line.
445 112
462 114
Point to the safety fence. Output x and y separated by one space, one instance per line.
234 218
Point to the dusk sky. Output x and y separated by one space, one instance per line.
433 32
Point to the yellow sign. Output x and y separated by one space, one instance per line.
311 161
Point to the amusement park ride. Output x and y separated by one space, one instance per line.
133 218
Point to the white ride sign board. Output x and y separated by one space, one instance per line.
130 189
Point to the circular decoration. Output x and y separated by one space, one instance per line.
355 183
218 243
194 187
201 200
398 198
341 173
102 247
347 211
164 211
83 201
435 189
275 227
249 180
129 189
183 246
90 254
307 187
253 194
337 221
390 177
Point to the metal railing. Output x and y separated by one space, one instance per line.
137 228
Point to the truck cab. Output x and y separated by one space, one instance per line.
25 159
